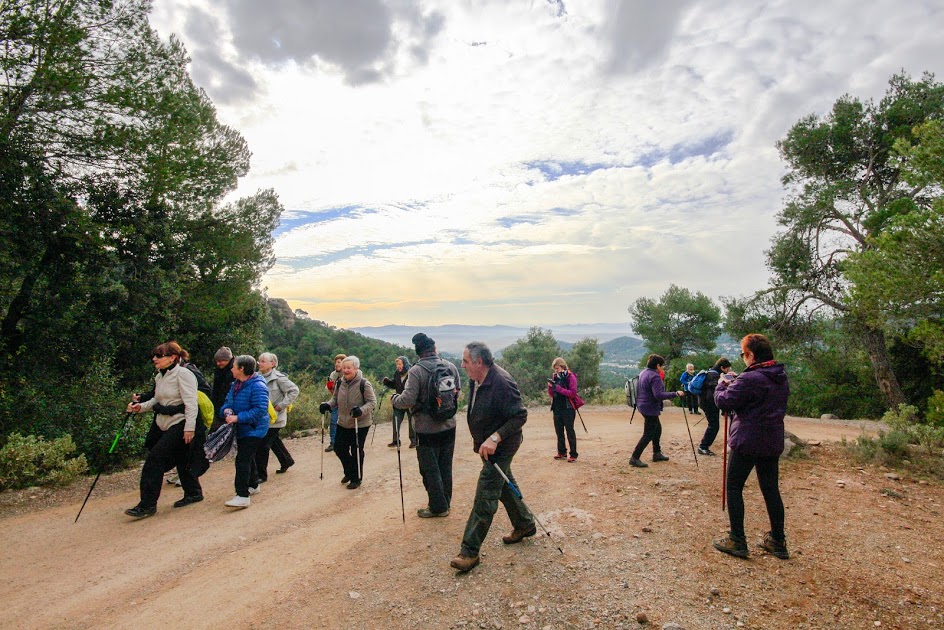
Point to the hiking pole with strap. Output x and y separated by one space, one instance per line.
323 416
581 421
357 450
690 437
517 493
379 407
724 464
400 469
110 451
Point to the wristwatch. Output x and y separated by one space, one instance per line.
493 438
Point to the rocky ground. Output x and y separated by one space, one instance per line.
636 545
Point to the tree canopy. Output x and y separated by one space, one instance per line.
679 323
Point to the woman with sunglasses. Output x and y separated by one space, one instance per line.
173 385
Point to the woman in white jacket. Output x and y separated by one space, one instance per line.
170 442
282 393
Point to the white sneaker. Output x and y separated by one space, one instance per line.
238 502
255 490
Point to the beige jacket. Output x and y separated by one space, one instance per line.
347 394
175 386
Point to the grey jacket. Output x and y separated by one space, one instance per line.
347 395
415 392
282 393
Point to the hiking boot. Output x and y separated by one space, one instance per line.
427 513
188 499
775 547
517 535
329 448
706 451
393 444
659 457
141 512
732 545
637 463
255 490
354 485
284 469
464 563
238 502
412 444
345 479
561 456
571 459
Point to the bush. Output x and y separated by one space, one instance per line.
32 461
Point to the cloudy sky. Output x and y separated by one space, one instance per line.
530 162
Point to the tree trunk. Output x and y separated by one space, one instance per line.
884 374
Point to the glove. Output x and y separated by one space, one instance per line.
356 412
388 382
324 407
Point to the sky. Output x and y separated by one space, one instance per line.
529 162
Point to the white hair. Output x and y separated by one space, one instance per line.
269 356
690 365
354 361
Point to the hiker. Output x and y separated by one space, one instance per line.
495 416
690 400
650 394
282 393
170 444
329 384
397 384
222 381
354 399
757 402
246 405
435 438
707 400
562 388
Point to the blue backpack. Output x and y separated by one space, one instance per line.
697 384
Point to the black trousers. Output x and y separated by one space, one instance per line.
272 442
349 446
712 415
246 475
564 423
651 432
768 477
434 453
691 402
397 421
168 450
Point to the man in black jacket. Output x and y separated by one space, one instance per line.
222 379
495 416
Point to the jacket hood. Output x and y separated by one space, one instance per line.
776 372
406 364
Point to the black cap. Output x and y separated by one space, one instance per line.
422 343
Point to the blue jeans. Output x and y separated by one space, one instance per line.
334 424
490 490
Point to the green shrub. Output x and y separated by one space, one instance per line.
32 461
935 409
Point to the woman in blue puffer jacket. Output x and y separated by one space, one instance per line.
246 405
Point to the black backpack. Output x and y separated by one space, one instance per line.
441 392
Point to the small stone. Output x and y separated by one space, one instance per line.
715 591
893 476
829 416
647 530
726 610
641 617
354 594
877 624
524 619
906 560
672 626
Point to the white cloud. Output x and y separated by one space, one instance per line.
439 123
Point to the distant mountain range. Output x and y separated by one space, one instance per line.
452 338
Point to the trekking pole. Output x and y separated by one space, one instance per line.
632 415
110 451
400 469
322 444
690 436
724 464
379 407
581 421
517 493
357 449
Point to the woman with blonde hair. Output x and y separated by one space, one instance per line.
562 388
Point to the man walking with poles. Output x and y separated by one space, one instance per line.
434 422
495 416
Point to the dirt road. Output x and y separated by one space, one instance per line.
311 553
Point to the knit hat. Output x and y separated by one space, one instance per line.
223 354
422 343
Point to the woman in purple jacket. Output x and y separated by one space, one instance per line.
562 388
757 401
650 394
